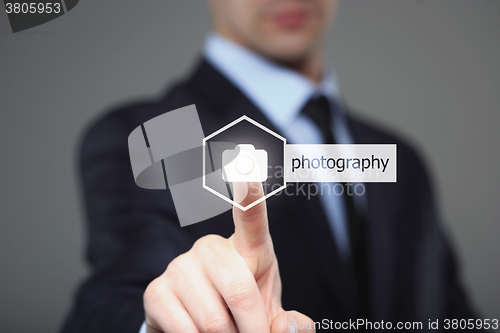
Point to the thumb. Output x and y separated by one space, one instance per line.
251 228
292 322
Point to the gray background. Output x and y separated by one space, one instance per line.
427 68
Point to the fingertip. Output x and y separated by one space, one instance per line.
240 191
246 193
251 225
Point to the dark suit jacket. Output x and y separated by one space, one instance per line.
134 233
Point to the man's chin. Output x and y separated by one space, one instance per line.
288 52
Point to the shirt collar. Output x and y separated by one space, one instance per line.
279 92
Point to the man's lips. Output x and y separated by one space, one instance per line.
290 19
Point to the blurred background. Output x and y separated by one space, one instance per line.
429 69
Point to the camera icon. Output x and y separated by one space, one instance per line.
244 164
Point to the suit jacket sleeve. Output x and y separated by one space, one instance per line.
440 292
132 233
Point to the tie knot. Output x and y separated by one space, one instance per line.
318 110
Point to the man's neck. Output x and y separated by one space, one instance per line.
310 65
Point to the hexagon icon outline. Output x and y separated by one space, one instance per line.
231 124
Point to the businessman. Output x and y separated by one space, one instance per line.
287 263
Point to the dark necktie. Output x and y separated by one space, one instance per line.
319 110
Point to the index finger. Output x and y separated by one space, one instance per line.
251 228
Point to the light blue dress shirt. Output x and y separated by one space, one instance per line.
280 93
